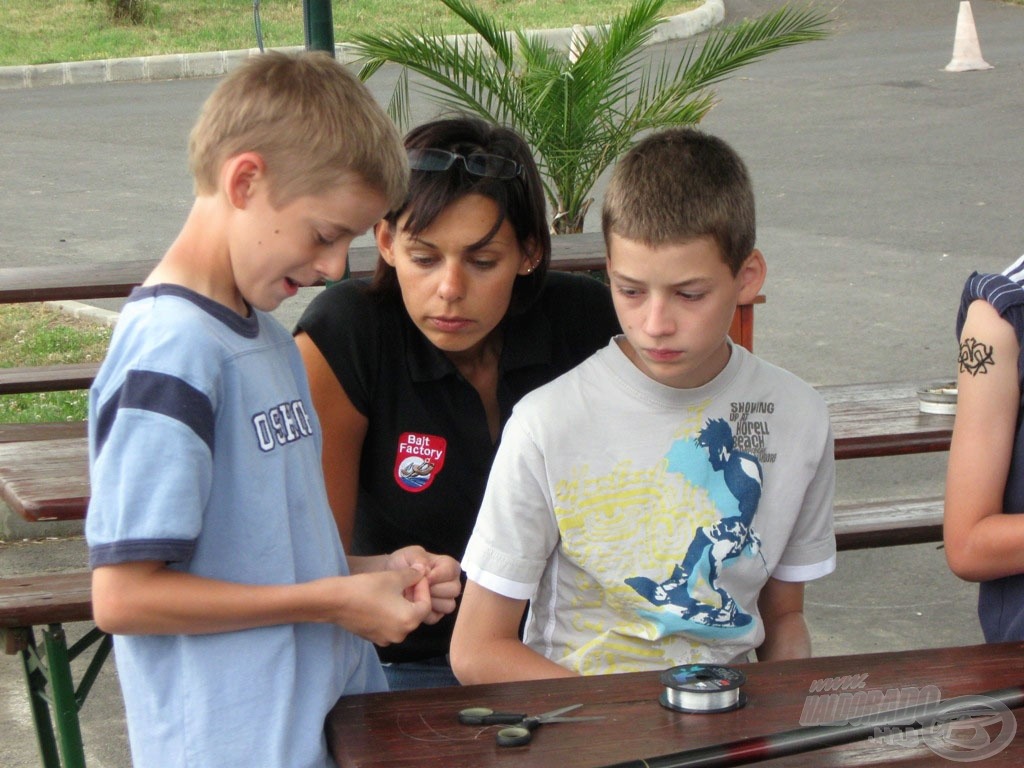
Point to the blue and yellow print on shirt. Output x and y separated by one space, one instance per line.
692 518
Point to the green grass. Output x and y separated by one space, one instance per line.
40 32
32 334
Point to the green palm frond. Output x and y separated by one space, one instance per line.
458 67
495 37
730 49
579 113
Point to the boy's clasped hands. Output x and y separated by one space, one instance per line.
388 596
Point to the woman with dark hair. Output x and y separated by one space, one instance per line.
414 373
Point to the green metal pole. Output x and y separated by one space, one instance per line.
62 692
37 680
319 25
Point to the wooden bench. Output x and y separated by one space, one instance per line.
884 419
48 601
47 479
41 430
861 525
47 378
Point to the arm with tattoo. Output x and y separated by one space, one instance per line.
975 356
981 542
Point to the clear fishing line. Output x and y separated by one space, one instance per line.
702 689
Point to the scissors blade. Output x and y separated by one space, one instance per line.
571 719
546 717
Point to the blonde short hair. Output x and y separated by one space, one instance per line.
312 122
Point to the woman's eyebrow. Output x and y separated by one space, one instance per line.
419 240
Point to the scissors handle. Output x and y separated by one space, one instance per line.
487 716
517 735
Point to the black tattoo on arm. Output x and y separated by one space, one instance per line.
975 357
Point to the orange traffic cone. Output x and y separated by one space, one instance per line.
966 49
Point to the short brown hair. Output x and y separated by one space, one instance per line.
311 120
678 185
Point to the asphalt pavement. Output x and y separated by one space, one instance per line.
882 181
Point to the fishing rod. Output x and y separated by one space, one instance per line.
812 737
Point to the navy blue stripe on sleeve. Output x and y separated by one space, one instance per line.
134 551
159 393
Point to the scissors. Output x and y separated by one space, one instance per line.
520 726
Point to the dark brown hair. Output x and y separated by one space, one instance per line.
519 200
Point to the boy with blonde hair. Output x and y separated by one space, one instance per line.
216 561
664 502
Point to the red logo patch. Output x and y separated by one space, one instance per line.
418 460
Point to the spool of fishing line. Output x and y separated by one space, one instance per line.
702 689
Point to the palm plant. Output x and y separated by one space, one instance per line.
580 108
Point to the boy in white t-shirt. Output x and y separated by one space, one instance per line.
664 502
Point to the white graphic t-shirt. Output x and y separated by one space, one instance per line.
642 521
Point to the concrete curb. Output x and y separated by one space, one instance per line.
84 311
186 65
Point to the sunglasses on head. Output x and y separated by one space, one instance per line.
476 163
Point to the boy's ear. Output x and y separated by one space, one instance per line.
385 238
751 276
241 176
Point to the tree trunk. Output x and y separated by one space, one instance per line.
566 223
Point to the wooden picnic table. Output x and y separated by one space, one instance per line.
115 279
48 479
103 280
885 419
420 728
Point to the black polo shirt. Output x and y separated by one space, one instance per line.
428 449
